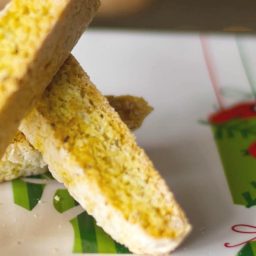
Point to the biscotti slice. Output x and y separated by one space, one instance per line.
132 110
21 159
36 37
89 149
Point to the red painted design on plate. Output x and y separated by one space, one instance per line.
244 110
252 150
242 229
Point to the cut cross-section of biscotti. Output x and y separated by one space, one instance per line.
21 159
36 37
89 149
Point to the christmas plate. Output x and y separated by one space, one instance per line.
201 136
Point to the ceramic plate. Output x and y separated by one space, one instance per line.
201 136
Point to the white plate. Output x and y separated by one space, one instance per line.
170 71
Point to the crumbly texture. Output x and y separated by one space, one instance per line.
89 149
132 110
21 159
36 37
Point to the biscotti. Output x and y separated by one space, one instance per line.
89 149
36 37
21 159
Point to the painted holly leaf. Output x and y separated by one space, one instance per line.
28 191
248 250
26 194
249 199
236 127
63 201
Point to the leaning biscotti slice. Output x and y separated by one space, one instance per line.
21 159
36 37
89 149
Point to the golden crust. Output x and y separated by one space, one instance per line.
75 121
132 110
35 39
28 161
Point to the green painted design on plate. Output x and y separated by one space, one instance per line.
89 238
121 249
27 194
248 250
85 236
104 241
253 247
63 201
233 139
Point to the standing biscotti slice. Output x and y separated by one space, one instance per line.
36 37
21 159
89 149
